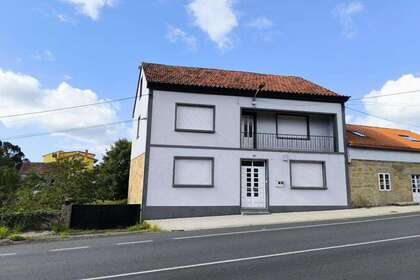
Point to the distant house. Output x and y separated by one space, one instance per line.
86 157
38 168
384 165
215 142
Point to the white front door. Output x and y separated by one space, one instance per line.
415 184
253 184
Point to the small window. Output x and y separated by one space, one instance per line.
195 118
290 126
409 138
193 172
415 183
357 133
138 127
309 175
140 87
384 181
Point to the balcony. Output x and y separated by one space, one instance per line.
288 142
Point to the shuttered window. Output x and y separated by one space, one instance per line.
193 172
292 126
307 175
195 118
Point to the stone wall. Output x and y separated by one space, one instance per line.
135 184
364 187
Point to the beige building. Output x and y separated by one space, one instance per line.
384 165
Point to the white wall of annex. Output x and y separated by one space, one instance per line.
227 117
226 190
383 155
139 144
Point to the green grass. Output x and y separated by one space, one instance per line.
16 237
4 232
144 226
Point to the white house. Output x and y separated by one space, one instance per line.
214 142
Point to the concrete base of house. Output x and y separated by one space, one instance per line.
229 221
168 212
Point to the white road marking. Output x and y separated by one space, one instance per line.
7 254
253 258
293 227
133 242
68 249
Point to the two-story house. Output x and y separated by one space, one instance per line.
214 142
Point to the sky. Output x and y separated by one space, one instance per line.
64 53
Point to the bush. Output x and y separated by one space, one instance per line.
34 220
4 232
144 226
16 237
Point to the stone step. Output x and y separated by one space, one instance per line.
254 212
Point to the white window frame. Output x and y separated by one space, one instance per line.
324 175
387 188
415 182
213 107
211 185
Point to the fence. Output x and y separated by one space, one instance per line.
103 216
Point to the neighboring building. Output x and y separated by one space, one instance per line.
214 142
384 165
38 168
86 157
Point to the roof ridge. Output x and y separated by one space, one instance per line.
380 127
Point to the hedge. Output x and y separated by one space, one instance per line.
30 220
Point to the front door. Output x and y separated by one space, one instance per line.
248 131
415 184
253 184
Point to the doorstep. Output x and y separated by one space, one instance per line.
229 221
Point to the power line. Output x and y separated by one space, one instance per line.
382 118
66 108
385 95
65 130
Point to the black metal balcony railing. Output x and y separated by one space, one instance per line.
288 142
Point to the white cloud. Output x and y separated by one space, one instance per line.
261 23
21 93
45 55
217 18
402 110
91 8
345 13
176 34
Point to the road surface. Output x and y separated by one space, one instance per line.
376 248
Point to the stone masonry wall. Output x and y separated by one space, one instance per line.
135 184
364 187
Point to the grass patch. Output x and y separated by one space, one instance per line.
144 226
4 232
16 237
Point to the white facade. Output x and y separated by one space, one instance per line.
383 155
221 142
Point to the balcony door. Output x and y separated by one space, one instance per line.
248 131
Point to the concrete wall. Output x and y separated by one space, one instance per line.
228 116
226 190
383 155
363 175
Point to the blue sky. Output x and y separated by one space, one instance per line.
61 53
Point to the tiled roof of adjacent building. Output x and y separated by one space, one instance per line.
382 138
38 168
240 81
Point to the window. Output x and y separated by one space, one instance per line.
307 175
140 87
384 181
195 118
292 126
409 138
357 133
415 183
138 127
193 172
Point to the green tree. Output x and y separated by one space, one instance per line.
11 155
9 183
113 171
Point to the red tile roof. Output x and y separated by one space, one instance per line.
382 138
232 80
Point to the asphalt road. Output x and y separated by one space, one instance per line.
378 248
